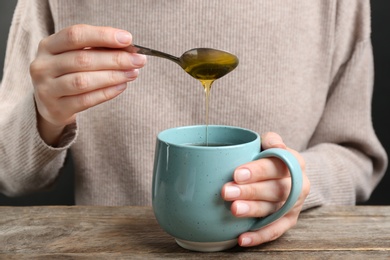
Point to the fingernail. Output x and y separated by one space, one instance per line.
123 37
246 241
138 59
121 87
131 73
242 208
242 175
232 192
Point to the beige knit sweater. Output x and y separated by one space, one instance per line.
305 72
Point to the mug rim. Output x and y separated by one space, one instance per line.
255 136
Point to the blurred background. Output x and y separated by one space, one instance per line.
62 193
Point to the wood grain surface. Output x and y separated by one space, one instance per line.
89 232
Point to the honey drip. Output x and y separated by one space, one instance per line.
207 73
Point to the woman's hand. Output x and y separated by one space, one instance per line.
77 68
260 188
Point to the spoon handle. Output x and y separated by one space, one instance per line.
147 51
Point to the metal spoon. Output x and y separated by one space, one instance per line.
200 63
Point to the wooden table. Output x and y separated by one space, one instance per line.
361 232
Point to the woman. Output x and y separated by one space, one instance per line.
305 73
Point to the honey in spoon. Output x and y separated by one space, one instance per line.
207 65
204 64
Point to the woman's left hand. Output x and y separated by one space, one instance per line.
260 188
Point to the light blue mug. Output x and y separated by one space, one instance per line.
188 177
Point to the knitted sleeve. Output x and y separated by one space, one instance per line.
26 163
345 160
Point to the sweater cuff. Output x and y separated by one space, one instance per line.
30 164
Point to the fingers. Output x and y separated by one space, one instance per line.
276 229
272 140
271 190
82 36
260 188
263 169
79 67
85 60
266 168
82 82
93 60
270 232
248 208
84 101
62 111
260 170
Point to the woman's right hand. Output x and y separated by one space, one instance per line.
77 68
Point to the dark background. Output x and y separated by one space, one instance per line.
62 193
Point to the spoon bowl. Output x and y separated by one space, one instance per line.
200 63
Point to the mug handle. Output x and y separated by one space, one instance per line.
296 184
